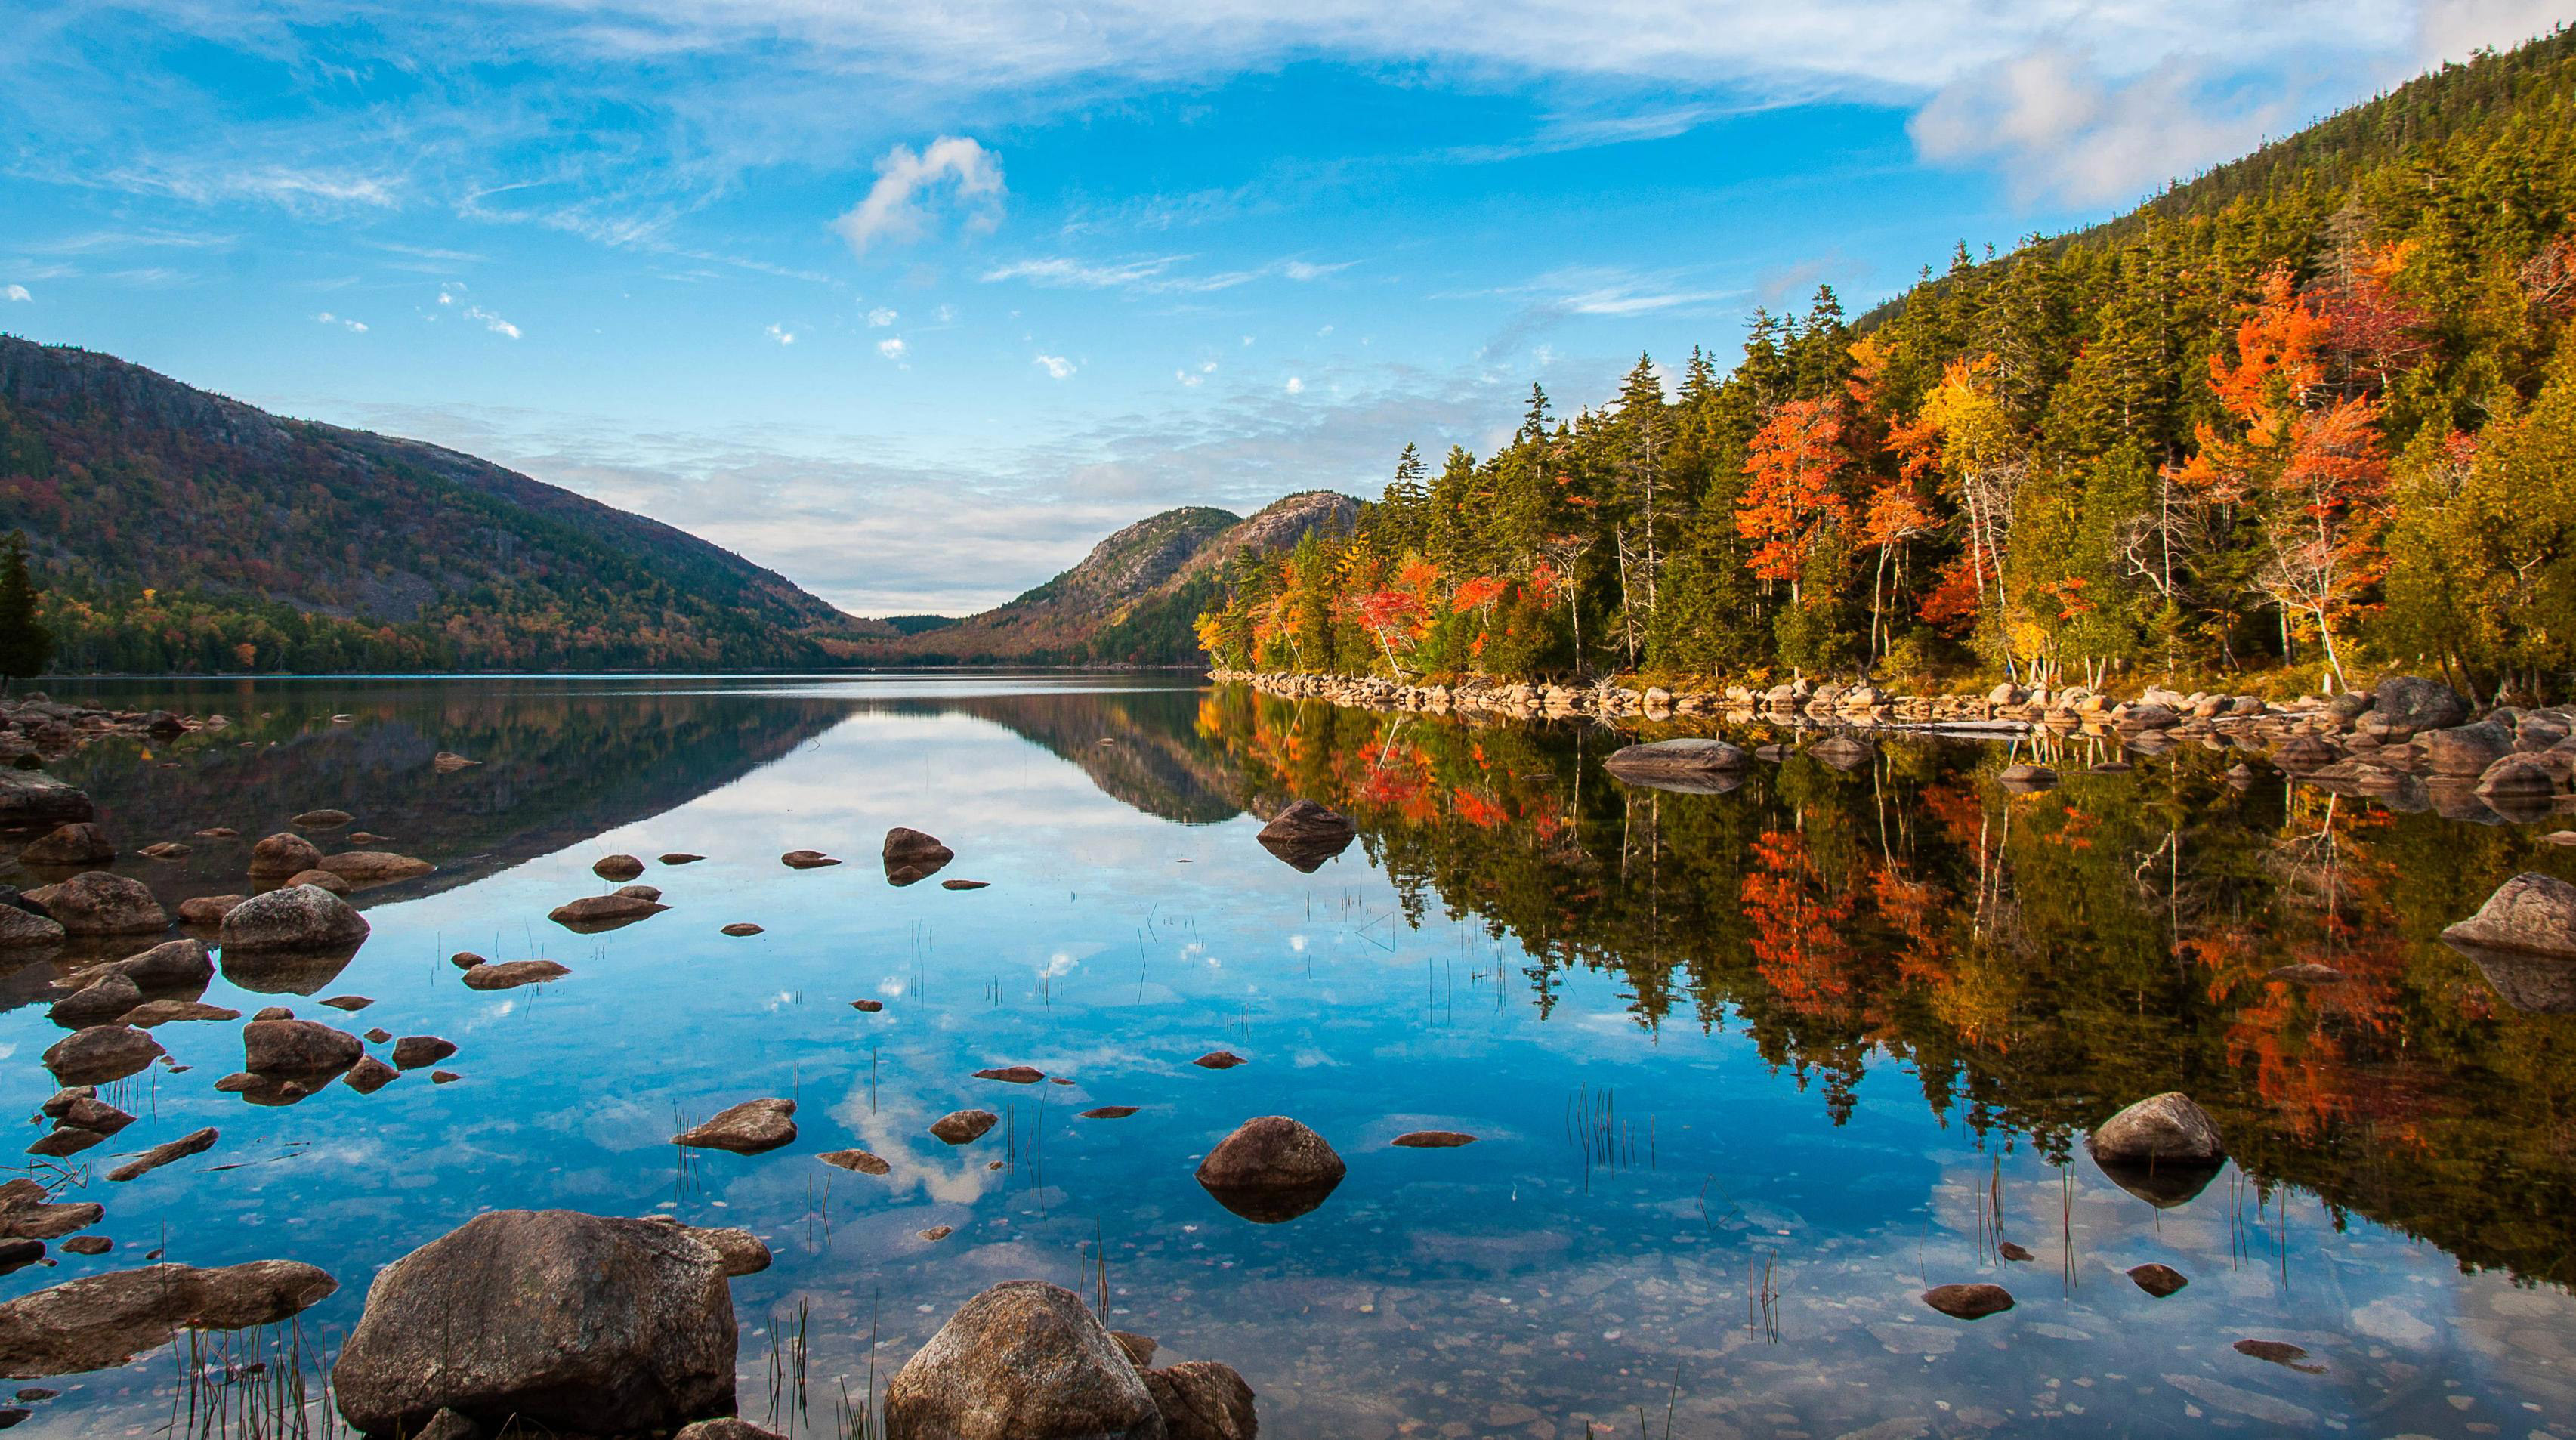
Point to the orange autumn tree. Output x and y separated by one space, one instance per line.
1796 462
2307 461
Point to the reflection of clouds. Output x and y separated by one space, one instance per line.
897 1131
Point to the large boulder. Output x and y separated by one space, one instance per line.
106 997
97 903
2530 914
1306 834
1700 766
297 1049
174 967
1271 1169
284 853
1022 1361
2465 750
2407 702
298 917
2164 1149
912 856
101 1321
574 1322
67 846
26 930
39 802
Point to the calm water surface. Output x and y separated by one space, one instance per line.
1750 1070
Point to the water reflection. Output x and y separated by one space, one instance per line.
1749 1071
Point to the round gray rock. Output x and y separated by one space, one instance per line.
2167 1129
299 917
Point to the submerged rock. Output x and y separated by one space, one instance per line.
1109 1112
1434 1140
1969 1302
1305 835
207 911
1219 1060
2278 1352
807 860
195 1142
298 917
1012 1075
858 1160
375 867
745 1129
166 1012
77 844
101 1321
617 867
573 1322
1022 1361
964 1127
97 903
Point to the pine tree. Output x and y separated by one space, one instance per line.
26 645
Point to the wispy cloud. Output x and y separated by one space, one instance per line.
491 322
781 334
1056 366
1152 275
344 322
2058 129
892 348
897 207
16 292
881 317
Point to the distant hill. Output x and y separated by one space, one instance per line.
182 531
1135 597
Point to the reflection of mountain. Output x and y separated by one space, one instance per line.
1141 747
2035 962
558 766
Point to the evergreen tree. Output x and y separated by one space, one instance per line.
26 645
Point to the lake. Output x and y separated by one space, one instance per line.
1748 1072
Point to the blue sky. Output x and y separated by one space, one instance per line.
914 302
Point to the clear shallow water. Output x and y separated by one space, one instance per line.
1842 1028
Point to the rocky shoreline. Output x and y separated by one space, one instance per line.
35 728
2412 743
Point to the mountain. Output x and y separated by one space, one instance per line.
1134 599
182 531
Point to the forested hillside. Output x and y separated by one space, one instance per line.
2313 413
180 531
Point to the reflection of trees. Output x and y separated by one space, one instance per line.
2035 960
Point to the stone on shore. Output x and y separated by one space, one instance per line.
80 843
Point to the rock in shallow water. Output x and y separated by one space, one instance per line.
1272 1169
510 974
962 1127
856 1160
749 1128
1434 1139
1968 1302
284 854
575 1322
106 1320
298 918
2167 1129
99 1054
97 903
414 1051
297 1049
80 843
617 867
2530 914
2158 1280
1305 835
593 914
195 1142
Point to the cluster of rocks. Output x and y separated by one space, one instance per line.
1859 704
35 728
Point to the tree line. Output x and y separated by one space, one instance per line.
2309 416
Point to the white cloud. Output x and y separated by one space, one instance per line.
16 292
1296 386
448 291
881 317
356 326
2060 129
1187 379
892 348
1153 275
491 322
2451 29
1056 366
782 334
897 207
